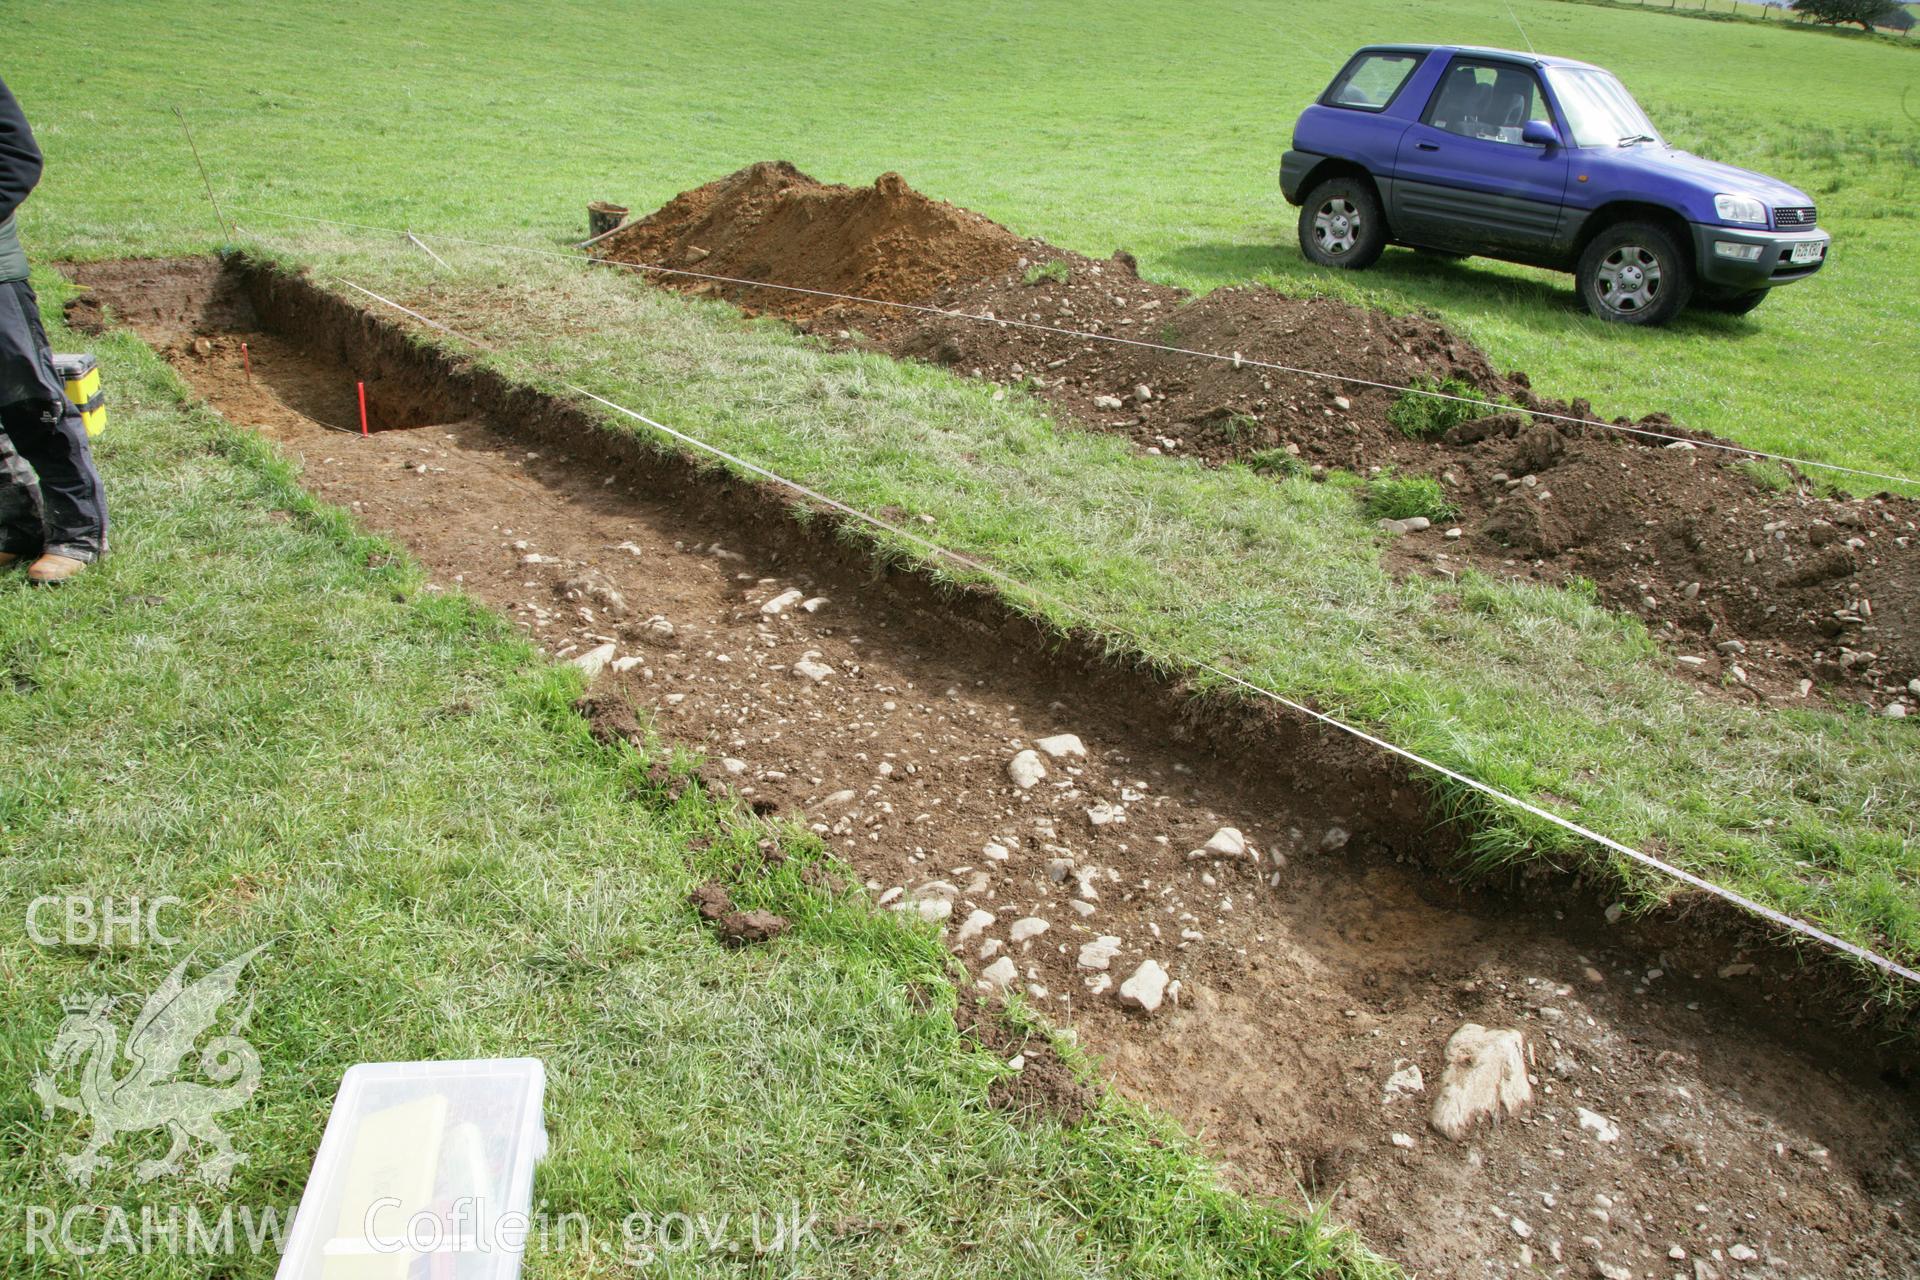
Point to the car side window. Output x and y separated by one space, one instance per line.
1371 80
1487 100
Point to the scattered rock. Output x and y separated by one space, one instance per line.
1227 842
810 669
1100 952
1026 770
1106 814
1602 1129
1025 928
1406 1079
1146 988
1742 1253
1336 838
976 923
782 602
595 660
1485 1077
1062 745
1402 1140
1001 973
1109 403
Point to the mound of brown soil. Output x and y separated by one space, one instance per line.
771 222
1763 590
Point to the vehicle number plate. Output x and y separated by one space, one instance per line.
1809 251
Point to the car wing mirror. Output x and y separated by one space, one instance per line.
1539 133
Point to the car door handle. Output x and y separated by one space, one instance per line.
1426 146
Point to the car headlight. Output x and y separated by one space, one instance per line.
1734 208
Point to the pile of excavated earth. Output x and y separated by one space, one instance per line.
1758 580
1233 916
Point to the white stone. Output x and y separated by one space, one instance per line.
782 602
1001 973
1108 403
1742 1253
626 664
1402 1140
595 660
1146 988
1227 842
1081 908
995 853
1406 1079
808 669
976 923
926 908
1099 983
814 605
938 889
1026 770
1602 1129
1062 745
1100 952
1105 814
1336 838
1485 1077
1025 928
734 765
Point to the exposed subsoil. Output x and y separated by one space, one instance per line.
1768 594
1309 974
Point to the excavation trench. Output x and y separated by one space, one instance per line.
1304 990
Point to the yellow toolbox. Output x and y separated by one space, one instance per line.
81 374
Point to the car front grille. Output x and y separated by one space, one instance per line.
1802 216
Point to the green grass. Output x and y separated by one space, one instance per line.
1054 272
1396 497
1426 417
1533 689
273 717
505 121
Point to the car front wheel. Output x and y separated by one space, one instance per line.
1342 224
1634 273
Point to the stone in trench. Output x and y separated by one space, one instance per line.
810 669
1099 953
1025 928
1227 842
1026 770
1146 988
1001 973
782 602
976 923
595 660
1485 1078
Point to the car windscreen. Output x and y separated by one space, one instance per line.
1598 109
1371 80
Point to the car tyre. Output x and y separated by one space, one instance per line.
1342 224
1634 273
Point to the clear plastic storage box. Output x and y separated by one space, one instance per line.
425 1173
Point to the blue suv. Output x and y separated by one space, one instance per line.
1542 161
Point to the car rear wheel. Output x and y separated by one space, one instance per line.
1342 224
1634 273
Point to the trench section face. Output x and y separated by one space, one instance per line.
1310 977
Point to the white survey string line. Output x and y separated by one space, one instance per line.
1778 918
1238 361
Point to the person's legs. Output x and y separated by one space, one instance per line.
73 506
21 528
48 433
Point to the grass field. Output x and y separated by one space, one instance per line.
255 704
1157 127
257 710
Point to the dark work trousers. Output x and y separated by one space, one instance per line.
51 498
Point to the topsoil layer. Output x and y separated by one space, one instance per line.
1765 592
